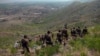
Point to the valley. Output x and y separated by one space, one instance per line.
36 18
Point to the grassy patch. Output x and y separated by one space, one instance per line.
48 51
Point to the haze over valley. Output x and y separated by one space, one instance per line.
45 14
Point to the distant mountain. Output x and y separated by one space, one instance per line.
78 13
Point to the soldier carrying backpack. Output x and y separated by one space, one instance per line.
84 31
25 44
59 37
47 38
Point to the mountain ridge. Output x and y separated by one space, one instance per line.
77 12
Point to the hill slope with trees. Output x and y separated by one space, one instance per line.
78 13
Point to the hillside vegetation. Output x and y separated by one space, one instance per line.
76 14
86 46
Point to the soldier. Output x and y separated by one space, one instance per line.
42 39
25 44
85 31
47 38
66 26
65 33
78 31
59 36
73 33
65 36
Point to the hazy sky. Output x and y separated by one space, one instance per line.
3 1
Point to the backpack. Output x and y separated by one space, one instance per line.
24 42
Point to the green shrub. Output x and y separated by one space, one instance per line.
83 54
13 50
48 51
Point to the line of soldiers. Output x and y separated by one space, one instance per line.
78 32
62 36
